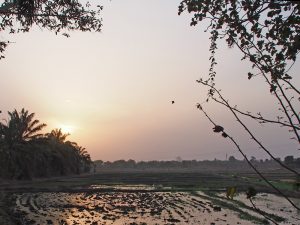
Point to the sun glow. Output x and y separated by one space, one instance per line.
67 129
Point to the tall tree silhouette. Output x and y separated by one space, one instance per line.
85 158
57 135
20 127
25 153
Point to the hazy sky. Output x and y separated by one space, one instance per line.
113 90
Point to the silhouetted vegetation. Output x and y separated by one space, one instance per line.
194 165
267 35
25 153
57 16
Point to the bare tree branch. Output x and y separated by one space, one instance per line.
249 162
247 129
260 118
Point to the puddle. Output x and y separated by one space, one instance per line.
130 187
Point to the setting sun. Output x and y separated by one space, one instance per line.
67 129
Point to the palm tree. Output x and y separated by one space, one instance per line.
84 154
84 158
20 128
57 135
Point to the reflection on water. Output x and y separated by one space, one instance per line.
130 187
122 207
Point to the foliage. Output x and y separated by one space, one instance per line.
57 135
251 192
231 158
24 154
227 166
267 34
20 128
230 192
289 159
57 16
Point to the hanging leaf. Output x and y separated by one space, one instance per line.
250 75
224 135
218 129
273 88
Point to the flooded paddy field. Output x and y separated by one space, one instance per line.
145 198
145 205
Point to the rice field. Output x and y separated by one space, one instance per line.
146 198
145 204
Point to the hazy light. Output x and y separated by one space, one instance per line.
68 129
112 91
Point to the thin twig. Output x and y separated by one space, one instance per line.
247 129
277 96
291 85
248 161
261 213
258 118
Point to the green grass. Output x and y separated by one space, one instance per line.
188 181
243 215
244 206
238 206
184 181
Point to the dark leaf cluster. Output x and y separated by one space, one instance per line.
251 192
267 32
26 153
268 35
54 15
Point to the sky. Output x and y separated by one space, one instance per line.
112 91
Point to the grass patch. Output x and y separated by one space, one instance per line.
216 200
243 205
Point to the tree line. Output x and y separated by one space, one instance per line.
26 153
194 165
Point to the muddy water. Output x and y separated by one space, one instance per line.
122 207
276 205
